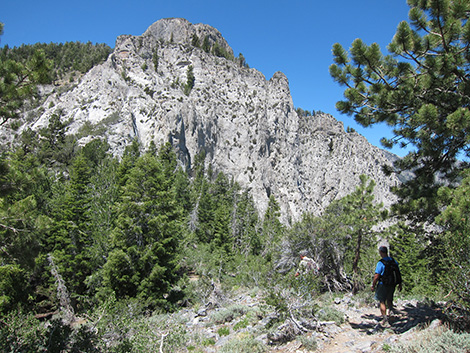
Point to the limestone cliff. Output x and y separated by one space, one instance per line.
245 123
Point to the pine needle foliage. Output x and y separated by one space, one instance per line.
421 89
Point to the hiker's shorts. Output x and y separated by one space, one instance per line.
383 292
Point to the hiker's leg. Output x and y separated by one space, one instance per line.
383 309
390 308
381 296
390 293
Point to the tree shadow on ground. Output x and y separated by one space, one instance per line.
411 316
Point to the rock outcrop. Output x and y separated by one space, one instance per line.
246 125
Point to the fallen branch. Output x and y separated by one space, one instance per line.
299 326
449 293
161 343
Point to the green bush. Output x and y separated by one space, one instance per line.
244 344
20 332
308 343
253 271
241 324
441 340
223 331
190 81
13 286
330 314
124 326
177 338
228 314
208 342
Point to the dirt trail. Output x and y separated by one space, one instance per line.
363 333
360 333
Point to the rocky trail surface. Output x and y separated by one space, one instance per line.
361 330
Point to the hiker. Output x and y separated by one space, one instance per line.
306 265
387 276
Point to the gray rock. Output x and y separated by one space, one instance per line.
202 312
246 125
436 323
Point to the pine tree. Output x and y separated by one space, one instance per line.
356 214
70 237
130 156
455 219
195 41
205 214
421 89
55 147
245 226
104 192
19 80
206 46
149 227
214 213
223 202
272 228
190 79
24 187
408 246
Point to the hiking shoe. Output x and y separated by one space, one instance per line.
377 328
384 322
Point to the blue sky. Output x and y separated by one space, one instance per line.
294 36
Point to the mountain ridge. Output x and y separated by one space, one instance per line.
246 125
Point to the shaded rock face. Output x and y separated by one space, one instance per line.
245 124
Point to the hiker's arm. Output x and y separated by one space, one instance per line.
374 281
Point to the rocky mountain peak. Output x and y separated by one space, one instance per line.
246 125
181 31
